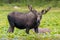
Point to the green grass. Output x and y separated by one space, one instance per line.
50 20
41 3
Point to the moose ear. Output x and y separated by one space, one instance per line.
48 9
30 7
43 11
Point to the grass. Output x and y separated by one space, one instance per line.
50 20
41 3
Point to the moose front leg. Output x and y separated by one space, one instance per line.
36 27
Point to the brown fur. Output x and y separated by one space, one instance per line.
25 20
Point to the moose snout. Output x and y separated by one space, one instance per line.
38 21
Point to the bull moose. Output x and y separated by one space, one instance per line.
26 20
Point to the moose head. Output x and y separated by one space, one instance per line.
42 12
39 14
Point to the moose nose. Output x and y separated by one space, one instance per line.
38 21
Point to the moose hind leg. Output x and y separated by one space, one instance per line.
27 30
11 29
11 22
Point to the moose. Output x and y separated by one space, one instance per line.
26 21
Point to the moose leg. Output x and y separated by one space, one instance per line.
27 30
36 29
11 29
11 22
